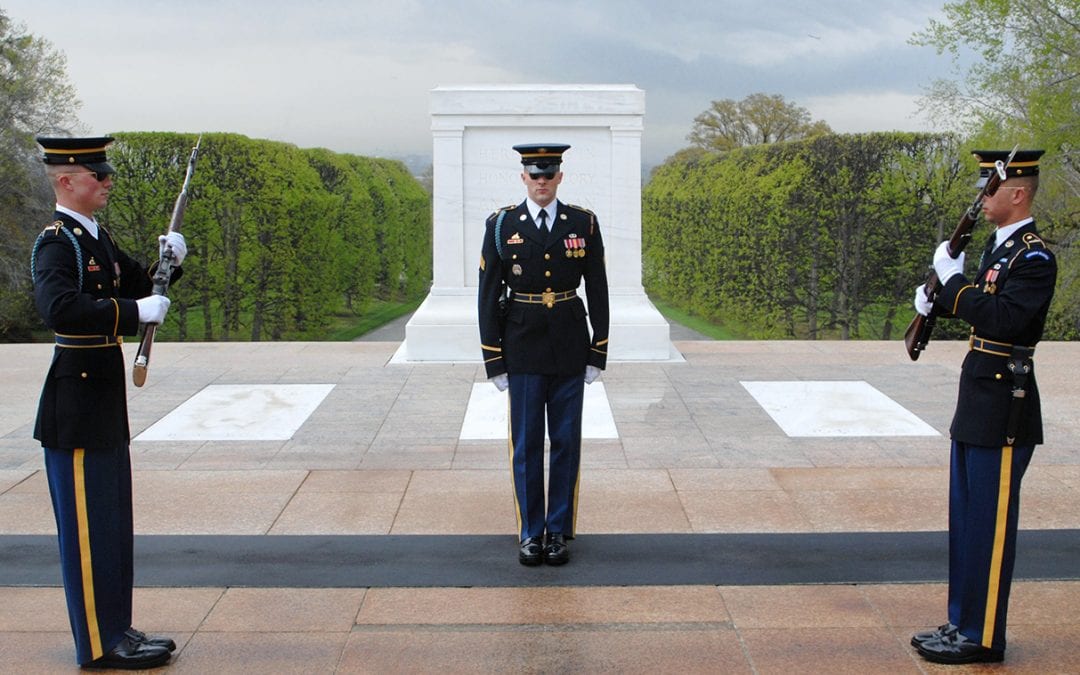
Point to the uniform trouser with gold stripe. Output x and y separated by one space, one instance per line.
91 496
984 508
561 398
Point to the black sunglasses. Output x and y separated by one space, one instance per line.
550 175
100 176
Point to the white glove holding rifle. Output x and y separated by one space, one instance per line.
152 308
175 241
922 304
945 265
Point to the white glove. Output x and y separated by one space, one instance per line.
501 381
173 240
591 373
152 308
945 265
922 305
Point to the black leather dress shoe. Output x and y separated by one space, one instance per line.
936 634
955 648
131 655
155 640
556 551
531 551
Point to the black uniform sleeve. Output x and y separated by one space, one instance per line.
596 290
490 290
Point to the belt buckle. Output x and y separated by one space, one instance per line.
548 298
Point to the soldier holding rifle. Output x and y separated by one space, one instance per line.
997 422
90 293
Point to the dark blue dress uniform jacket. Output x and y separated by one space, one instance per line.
83 402
1007 304
532 337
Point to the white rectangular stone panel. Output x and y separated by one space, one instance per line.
240 412
823 409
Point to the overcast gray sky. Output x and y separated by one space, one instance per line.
355 76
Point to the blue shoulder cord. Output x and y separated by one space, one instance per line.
498 232
75 244
504 293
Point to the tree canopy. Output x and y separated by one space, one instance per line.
755 120
35 99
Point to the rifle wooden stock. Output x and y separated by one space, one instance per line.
917 335
163 273
142 359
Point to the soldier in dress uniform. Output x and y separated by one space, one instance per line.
998 421
534 332
90 293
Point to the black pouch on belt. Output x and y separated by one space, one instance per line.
1020 365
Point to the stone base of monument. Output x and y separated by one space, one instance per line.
444 330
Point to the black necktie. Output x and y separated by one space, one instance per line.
543 223
987 250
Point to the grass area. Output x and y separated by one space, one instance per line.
346 328
703 326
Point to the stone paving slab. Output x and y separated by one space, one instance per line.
692 629
696 455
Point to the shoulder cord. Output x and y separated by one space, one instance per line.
498 232
504 293
75 244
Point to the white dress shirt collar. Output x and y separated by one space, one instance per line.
89 223
534 211
1003 233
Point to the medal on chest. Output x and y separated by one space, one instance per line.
990 279
575 246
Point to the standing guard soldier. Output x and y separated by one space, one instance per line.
998 421
90 293
534 332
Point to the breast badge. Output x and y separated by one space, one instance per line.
515 239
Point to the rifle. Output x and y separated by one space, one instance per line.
918 331
163 273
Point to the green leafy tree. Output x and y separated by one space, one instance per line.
35 99
757 119
352 227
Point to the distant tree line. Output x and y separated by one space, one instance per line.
279 239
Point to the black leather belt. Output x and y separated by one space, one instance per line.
992 347
88 341
548 298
